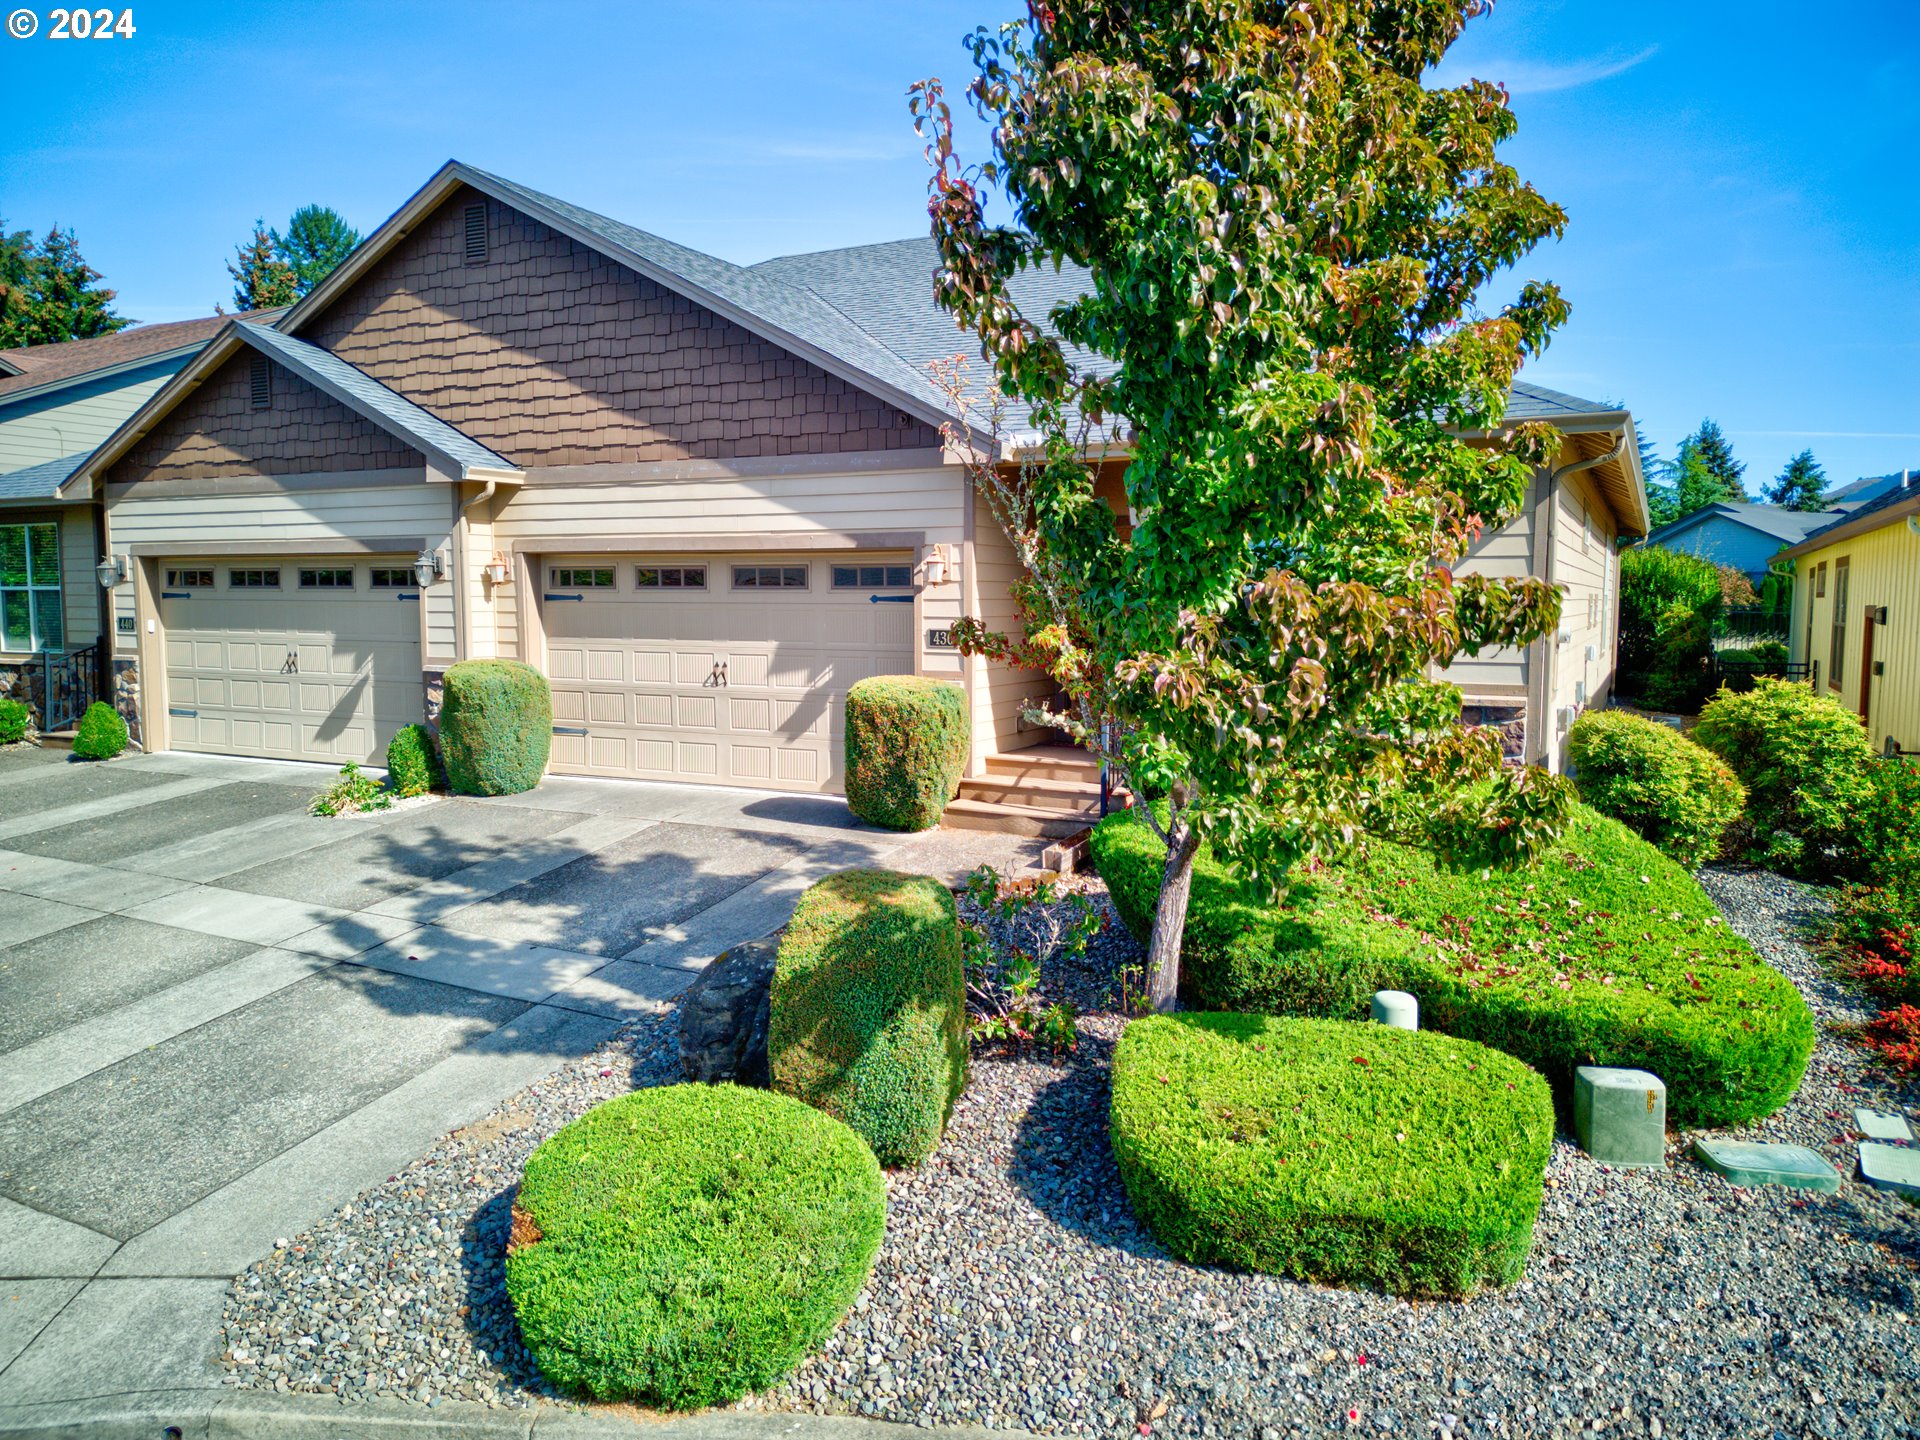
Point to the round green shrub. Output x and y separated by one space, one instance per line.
1604 952
1803 758
102 734
1669 603
16 717
1655 781
867 1018
496 727
684 1245
413 762
1330 1151
907 740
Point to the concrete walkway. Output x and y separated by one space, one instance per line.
224 1017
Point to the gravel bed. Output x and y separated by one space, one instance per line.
1014 1288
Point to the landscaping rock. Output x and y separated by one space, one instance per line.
1876 1125
1396 1008
1891 1167
1744 1163
1620 1116
723 1016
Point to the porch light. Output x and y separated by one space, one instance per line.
936 567
497 570
111 571
426 567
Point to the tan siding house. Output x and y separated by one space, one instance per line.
704 499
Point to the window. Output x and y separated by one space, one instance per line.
326 579
1837 650
189 579
671 577
30 618
253 579
873 577
769 577
476 233
1820 581
568 579
261 383
383 578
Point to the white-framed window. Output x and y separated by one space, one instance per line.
769 577
326 579
670 577
565 578
385 577
253 579
873 577
30 616
189 579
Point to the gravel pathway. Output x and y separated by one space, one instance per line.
1014 1288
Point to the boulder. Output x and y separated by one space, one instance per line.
723 1016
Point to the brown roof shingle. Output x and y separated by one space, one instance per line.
69 359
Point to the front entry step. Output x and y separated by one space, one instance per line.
1031 820
1049 791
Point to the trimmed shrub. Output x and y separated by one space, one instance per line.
1669 604
496 727
868 1015
413 762
1803 758
1330 1151
685 1245
1604 952
1655 781
102 734
1885 840
16 717
907 740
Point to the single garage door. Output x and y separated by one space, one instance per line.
729 669
295 659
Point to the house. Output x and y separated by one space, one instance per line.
1741 534
57 402
1856 612
703 498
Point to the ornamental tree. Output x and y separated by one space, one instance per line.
1283 233
261 279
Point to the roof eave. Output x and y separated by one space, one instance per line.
104 372
1849 529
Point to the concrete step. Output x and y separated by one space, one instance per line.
58 740
1036 792
1047 762
1001 819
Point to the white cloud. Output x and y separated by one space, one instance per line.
1534 77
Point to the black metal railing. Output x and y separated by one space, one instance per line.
69 683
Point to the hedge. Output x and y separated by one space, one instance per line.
102 734
1331 1151
907 739
685 1245
496 727
867 1018
1669 604
1678 795
15 719
413 762
1604 952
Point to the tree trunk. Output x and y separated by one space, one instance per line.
1170 917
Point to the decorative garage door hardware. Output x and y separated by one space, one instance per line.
890 599
176 594
291 665
562 597
189 714
717 677
569 729
410 595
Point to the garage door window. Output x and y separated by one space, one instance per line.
326 579
873 577
769 577
189 579
385 579
253 579
670 577
30 588
565 579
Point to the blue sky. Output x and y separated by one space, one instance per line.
1742 177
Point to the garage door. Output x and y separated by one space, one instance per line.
295 659
725 669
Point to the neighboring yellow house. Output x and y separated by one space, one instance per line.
1856 614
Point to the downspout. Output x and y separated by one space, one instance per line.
1550 645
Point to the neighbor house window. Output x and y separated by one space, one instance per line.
253 579
873 577
383 578
1837 650
326 579
671 577
1820 581
569 579
189 579
30 588
769 577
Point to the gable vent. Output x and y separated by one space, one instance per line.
262 382
477 234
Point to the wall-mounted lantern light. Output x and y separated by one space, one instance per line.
937 569
497 570
111 571
426 567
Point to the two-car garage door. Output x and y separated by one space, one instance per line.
724 669
314 658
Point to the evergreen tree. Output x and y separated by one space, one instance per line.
261 279
1710 446
49 293
318 238
1802 485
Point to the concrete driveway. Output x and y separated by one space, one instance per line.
223 1017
